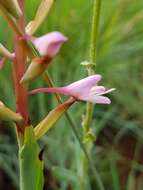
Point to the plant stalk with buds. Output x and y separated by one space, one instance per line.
30 59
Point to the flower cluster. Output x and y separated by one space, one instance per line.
47 47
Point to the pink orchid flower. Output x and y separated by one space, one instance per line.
48 47
84 90
49 44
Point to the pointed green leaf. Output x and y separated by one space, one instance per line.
31 167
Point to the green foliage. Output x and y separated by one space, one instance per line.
30 164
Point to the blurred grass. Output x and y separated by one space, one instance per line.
120 47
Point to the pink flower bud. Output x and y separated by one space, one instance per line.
49 44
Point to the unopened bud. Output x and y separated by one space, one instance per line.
12 7
8 115
43 10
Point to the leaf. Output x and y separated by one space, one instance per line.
41 14
52 118
31 167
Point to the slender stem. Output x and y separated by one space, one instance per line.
94 31
92 56
89 107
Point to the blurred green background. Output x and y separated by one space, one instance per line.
118 149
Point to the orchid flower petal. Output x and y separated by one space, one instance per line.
81 88
107 91
97 99
97 90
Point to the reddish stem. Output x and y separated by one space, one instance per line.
21 91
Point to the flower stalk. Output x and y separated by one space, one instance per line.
21 91
92 57
87 120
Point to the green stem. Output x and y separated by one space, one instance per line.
89 108
94 31
92 56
